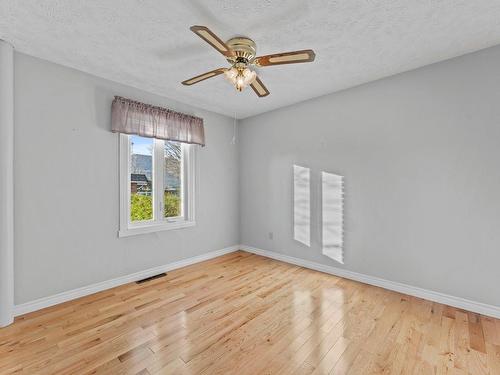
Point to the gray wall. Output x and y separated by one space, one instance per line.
66 185
420 153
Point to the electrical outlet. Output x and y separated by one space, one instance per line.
270 235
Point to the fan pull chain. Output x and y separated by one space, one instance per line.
233 141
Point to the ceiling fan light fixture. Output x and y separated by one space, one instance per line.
241 53
240 77
231 74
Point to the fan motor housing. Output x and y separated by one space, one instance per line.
244 48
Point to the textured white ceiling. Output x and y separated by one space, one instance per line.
148 44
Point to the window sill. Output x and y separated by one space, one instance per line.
152 228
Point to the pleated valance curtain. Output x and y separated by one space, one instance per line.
131 117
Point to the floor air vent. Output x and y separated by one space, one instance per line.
151 278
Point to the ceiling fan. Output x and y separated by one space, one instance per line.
240 52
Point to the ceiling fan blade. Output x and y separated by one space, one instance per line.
259 88
204 76
208 36
306 55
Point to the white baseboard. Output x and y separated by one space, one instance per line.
477 307
94 288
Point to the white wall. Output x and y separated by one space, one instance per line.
6 183
420 153
66 185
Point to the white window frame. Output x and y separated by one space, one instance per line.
188 184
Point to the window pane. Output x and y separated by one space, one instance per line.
173 179
141 178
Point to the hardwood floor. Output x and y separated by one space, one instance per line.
245 314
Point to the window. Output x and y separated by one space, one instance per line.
156 185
